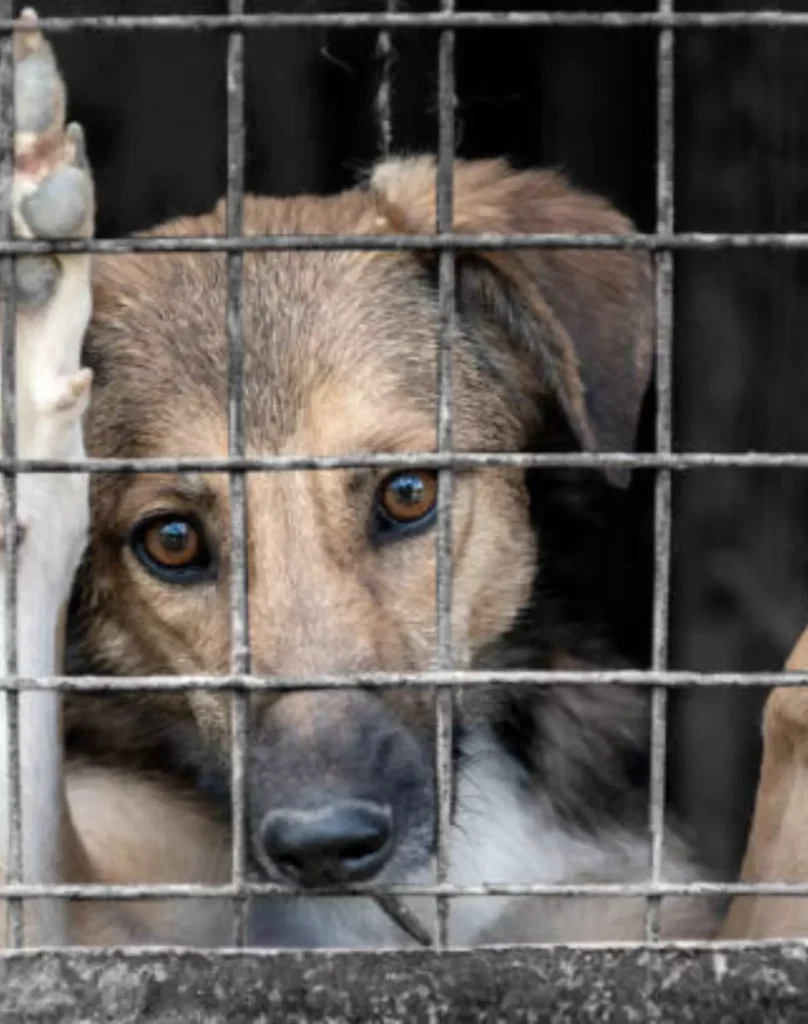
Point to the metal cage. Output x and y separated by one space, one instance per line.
647 981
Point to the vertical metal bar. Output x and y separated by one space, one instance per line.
664 432
385 54
239 605
14 872
444 696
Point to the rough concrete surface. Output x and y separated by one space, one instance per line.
708 986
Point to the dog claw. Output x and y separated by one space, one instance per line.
29 41
78 144
39 93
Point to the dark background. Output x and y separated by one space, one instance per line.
583 100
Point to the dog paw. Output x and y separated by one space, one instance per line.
53 194
785 716
52 198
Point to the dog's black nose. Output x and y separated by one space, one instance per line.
345 841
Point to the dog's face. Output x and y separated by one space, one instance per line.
341 353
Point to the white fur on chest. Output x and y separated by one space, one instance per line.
503 834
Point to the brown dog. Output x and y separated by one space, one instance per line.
551 350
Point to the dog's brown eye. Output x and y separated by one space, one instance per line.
173 548
406 501
173 543
408 496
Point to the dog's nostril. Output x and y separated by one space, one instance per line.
347 841
289 865
356 849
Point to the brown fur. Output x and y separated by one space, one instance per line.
349 366
340 357
777 849
185 845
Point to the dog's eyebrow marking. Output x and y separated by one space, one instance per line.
191 485
398 441
188 486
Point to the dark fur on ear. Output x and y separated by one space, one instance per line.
582 318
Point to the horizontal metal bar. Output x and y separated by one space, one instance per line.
605 890
400 680
274 953
428 20
680 241
424 460
682 983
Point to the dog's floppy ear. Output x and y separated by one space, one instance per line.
582 317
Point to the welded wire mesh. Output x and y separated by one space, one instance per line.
444 679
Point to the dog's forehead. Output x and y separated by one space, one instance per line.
347 328
353 332
312 323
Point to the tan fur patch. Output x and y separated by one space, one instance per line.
134 831
777 849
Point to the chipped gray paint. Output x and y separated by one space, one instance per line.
730 985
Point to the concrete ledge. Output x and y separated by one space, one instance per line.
719 985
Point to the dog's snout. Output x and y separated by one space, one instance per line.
341 790
346 841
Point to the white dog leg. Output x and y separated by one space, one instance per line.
52 198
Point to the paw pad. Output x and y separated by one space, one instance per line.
60 206
36 278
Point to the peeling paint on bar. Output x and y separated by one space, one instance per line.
428 460
663 345
679 241
8 407
435 20
381 892
397 680
239 606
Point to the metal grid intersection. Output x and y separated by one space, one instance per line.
443 679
